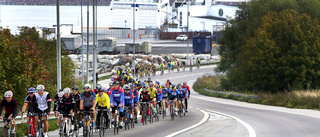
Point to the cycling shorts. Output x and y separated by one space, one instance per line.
6 115
87 108
135 103
39 112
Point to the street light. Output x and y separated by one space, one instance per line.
125 28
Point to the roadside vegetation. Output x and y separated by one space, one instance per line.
29 59
302 99
22 128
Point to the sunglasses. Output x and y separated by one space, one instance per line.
39 90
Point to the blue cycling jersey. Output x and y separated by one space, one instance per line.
159 92
164 92
181 94
136 95
128 99
173 93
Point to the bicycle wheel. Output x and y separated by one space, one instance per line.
4 131
84 131
180 110
115 125
101 127
76 130
172 112
151 115
61 130
91 128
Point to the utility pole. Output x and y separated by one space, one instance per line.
87 41
94 45
134 36
58 48
188 31
82 72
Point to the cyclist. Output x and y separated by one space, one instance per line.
169 66
190 63
56 104
153 94
67 104
76 97
172 64
103 101
173 93
43 100
128 99
108 91
181 95
10 107
153 67
178 65
162 67
168 84
186 88
144 97
135 101
117 99
88 101
198 63
27 101
184 65
164 91
159 96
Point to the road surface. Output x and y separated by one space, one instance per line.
215 117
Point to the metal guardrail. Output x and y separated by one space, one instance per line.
24 119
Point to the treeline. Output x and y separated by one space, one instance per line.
27 60
272 46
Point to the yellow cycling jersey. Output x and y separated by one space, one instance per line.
152 92
104 101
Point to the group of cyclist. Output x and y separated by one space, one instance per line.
146 69
123 91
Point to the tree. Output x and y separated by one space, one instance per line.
20 65
283 52
248 18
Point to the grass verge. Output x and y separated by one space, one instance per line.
307 99
22 128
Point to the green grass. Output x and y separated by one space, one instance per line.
295 99
22 128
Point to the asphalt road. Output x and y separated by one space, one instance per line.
215 117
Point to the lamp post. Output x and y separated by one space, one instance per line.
188 31
134 35
58 48
125 28
82 63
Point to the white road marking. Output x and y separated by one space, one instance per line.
204 119
252 132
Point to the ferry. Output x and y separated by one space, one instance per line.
148 13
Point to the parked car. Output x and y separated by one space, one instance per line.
182 37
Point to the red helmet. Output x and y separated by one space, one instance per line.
168 80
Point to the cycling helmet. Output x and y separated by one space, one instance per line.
179 84
184 82
87 86
116 83
111 84
126 87
31 90
168 80
66 90
40 87
60 90
163 85
149 79
132 86
145 87
60 94
158 82
157 86
173 86
100 89
75 88
8 94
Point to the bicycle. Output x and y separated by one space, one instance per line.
128 118
198 65
190 68
88 127
172 102
116 121
154 113
145 111
154 72
164 109
180 111
40 124
103 121
162 71
7 129
66 128
76 124
31 125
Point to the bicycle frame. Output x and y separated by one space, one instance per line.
6 130
40 124
31 126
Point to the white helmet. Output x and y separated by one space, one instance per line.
87 86
8 94
66 90
40 87
60 94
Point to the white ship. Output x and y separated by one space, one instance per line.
148 13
